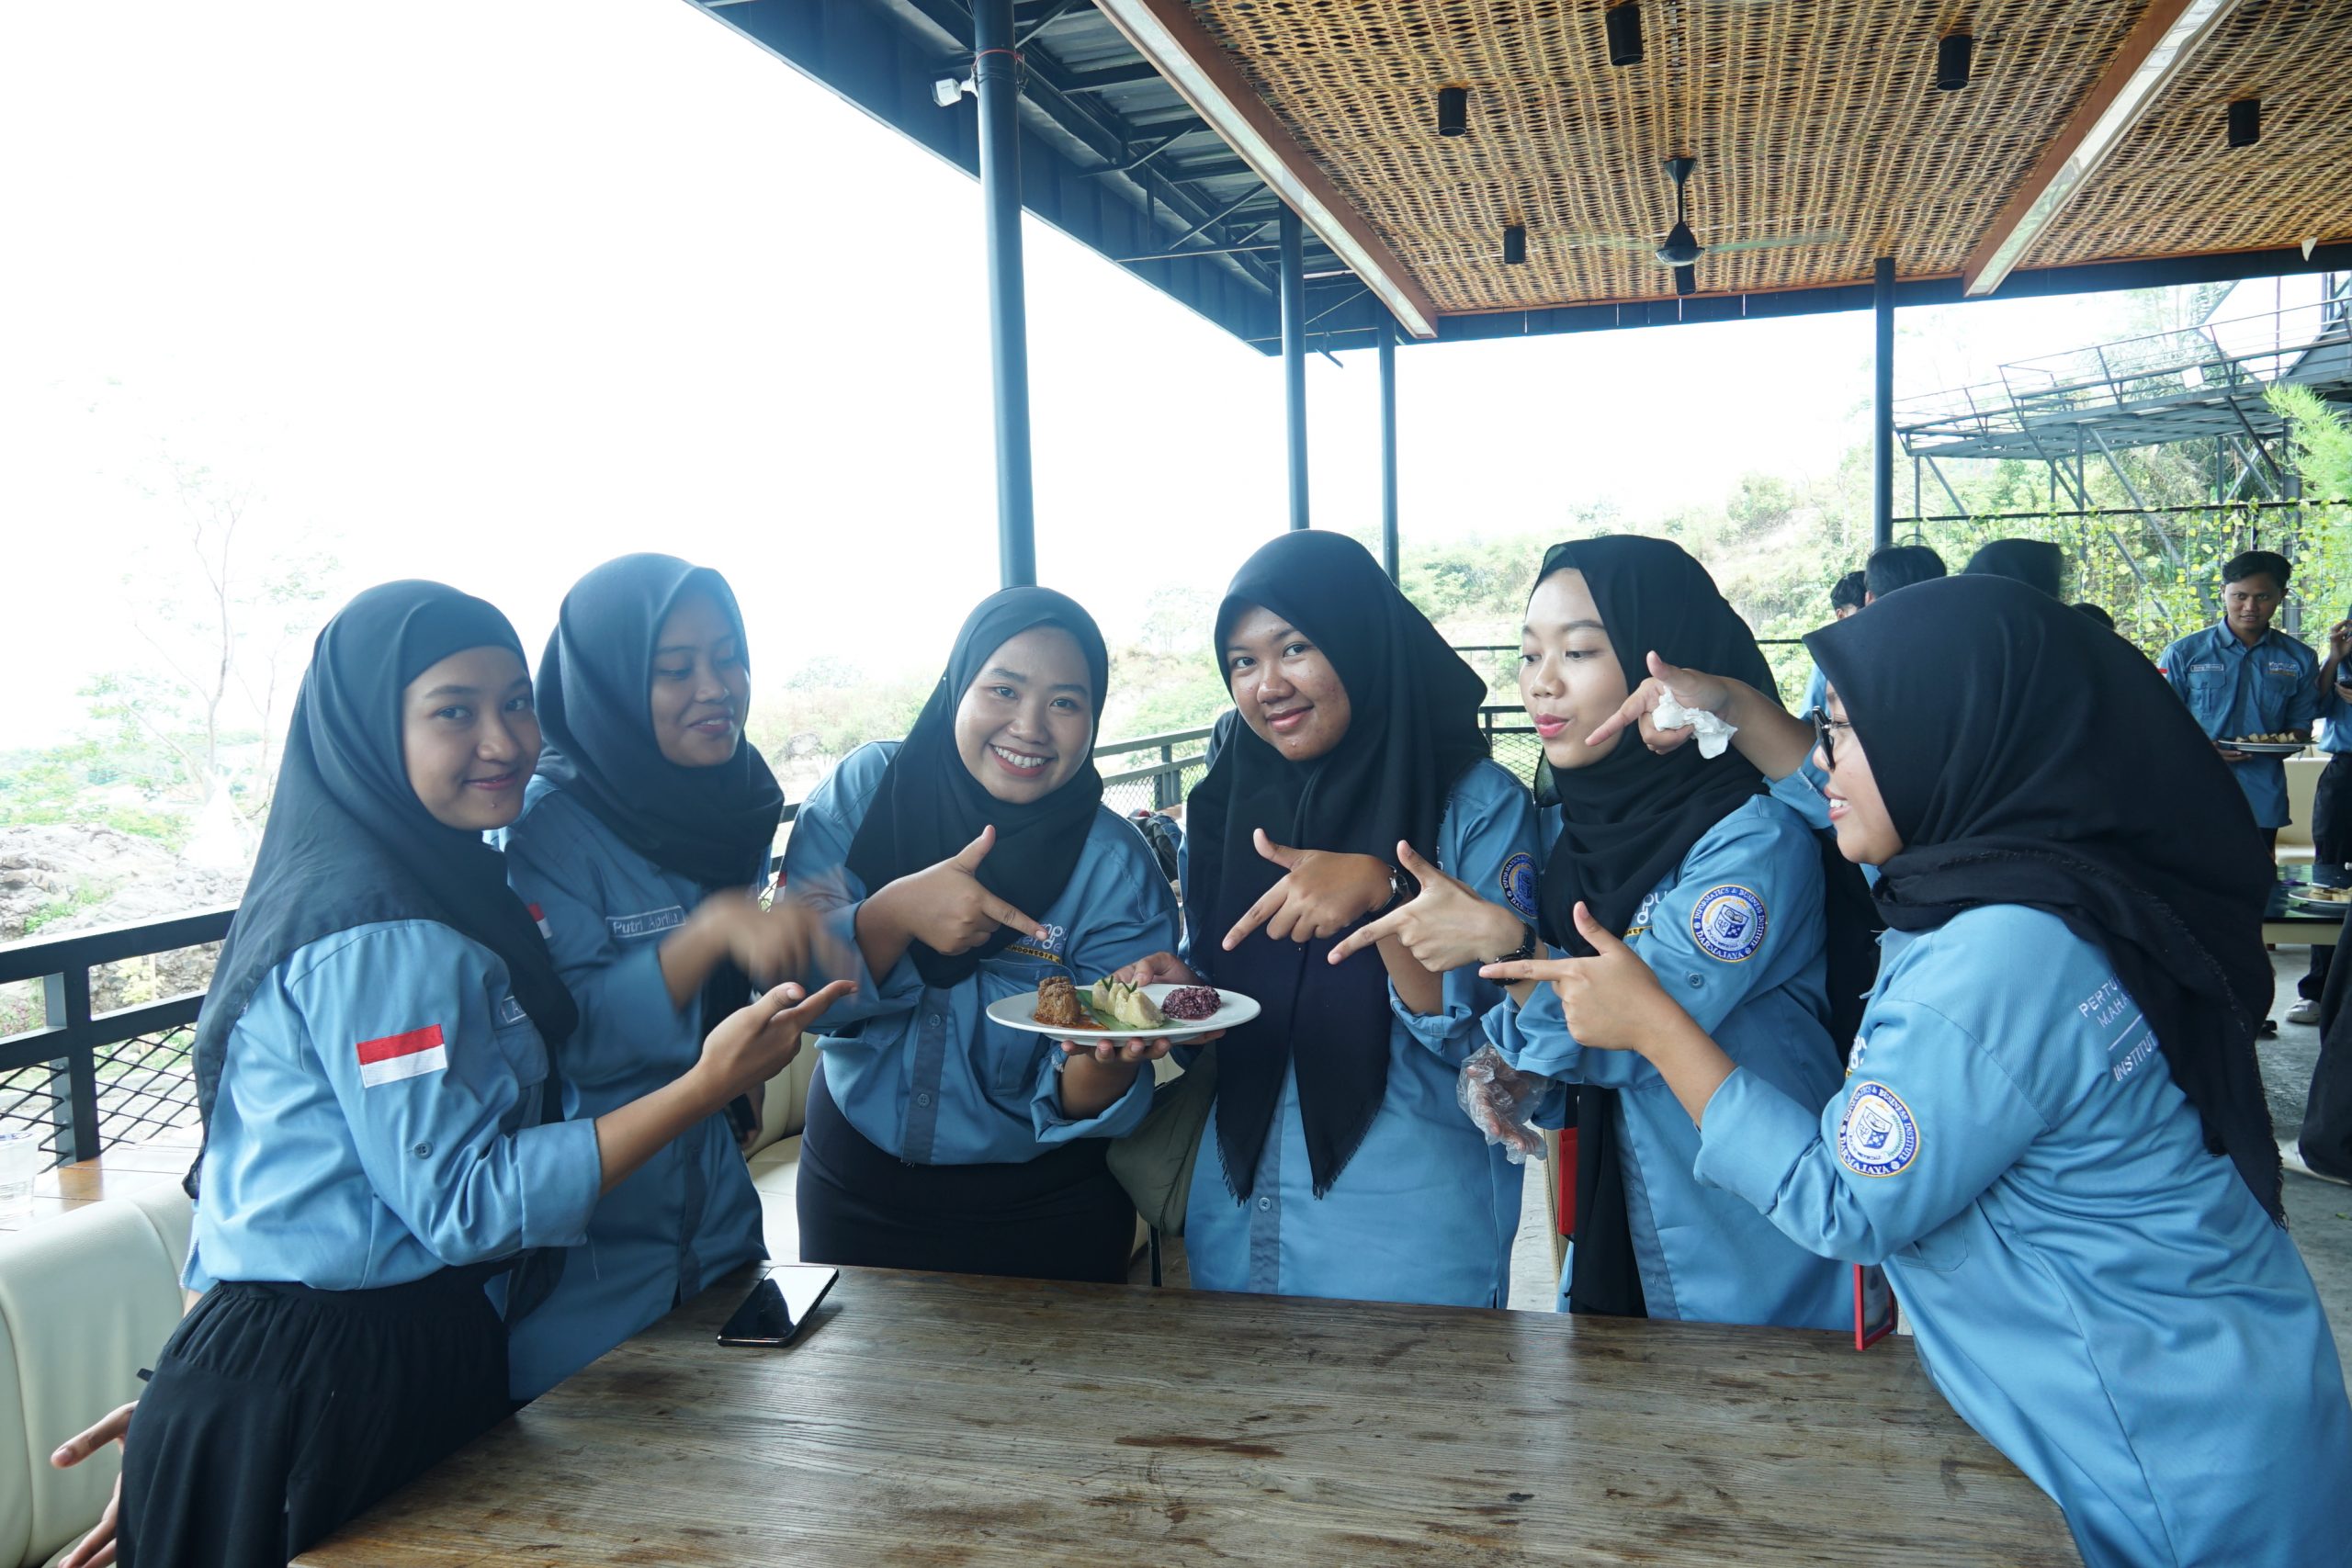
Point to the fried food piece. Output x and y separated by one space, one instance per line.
1058 1005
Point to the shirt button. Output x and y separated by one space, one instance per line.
422 1151
1264 1203
932 1020
924 1099
1693 981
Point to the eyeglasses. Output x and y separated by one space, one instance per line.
1825 733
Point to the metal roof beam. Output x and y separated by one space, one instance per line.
1167 33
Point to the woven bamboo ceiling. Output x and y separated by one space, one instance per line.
1807 117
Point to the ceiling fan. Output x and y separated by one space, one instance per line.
1681 250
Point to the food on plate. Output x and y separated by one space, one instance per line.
2324 894
1192 1003
2286 739
1127 1005
1058 1005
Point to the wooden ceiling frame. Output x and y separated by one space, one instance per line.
1166 33
2157 46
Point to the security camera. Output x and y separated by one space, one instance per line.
948 89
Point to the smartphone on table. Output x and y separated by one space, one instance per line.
779 1305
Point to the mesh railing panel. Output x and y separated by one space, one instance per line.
146 1086
29 1099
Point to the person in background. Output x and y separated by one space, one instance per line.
1898 566
2036 563
2054 1131
1336 1162
958 868
372 1066
2094 614
1716 886
1850 594
2331 804
641 837
2242 677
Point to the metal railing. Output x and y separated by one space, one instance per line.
88 1079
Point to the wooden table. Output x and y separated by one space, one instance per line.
941 1419
119 1171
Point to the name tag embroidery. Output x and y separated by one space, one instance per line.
652 922
397 1056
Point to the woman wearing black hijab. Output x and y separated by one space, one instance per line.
642 839
955 869
372 1067
2036 563
1345 1169
1719 888
2054 1130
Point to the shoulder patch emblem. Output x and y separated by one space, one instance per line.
1877 1136
1728 922
1518 884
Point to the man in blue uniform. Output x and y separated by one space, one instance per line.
1850 594
2331 803
2240 678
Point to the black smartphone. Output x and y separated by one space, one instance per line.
779 1305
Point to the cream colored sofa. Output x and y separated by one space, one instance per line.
2302 789
776 1155
86 1300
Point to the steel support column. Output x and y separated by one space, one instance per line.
1388 542
1882 404
996 69
1294 280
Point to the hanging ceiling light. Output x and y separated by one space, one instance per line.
2245 122
1515 244
1453 110
1953 53
1624 25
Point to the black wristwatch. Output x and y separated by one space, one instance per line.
1529 941
1403 887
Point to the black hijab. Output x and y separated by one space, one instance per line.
929 805
712 826
2034 562
2029 757
348 844
1628 820
1413 732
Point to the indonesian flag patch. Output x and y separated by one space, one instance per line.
398 1056
539 916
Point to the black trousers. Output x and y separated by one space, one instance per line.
1060 1216
277 1413
2331 846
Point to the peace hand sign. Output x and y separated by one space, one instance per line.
1447 927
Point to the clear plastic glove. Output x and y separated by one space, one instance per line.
1498 1098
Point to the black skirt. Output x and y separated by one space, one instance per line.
277 1413
1060 1216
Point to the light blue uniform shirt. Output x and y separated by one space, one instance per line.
378 1120
919 1070
1425 1210
2094 1292
688 1214
2336 738
1817 692
1735 935
2234 690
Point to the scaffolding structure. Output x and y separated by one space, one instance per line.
2209 384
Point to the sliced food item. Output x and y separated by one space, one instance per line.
1125 1005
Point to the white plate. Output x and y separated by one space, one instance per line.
2265 747
1018 1011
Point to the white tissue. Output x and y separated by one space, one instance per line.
1713 733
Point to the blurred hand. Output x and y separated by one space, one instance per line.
1692 688
1320 895
97 1549
753 1044
1446 927
1159 969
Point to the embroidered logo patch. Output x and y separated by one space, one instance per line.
540 919
1050 950
398 1056
652 922
511 1011
1518 884
1877 1136
1729 923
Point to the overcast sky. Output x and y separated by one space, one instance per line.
489 291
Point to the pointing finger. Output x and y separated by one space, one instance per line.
1257 915
1365 936
1005 914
